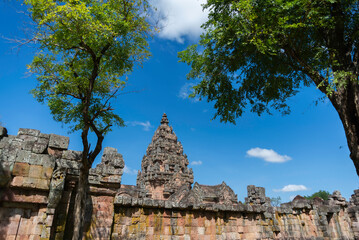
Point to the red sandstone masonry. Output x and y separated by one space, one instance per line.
39 182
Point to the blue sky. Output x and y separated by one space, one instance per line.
300 153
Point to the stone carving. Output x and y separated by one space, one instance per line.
56 187
110 169
337 199
164 168
37 202
221 194
256 195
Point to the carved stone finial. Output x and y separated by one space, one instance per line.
164 120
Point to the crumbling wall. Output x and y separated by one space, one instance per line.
38 180
301 219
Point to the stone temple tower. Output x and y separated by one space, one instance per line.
164 167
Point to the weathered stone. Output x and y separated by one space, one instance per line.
337 199
164 162
57 153
72 155
300 202
35 171
28 131
68 164
161 206
5 175
256 195
3 132
56 187
59 142
112 157
21 169
41 143
39 148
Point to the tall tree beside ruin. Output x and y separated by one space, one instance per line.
86 48
257 54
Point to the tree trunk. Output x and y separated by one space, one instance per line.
346 102
80 202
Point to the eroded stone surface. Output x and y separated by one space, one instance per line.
59 142
38 193
164 168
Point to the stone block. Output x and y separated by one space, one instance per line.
3 132
68 164
49 220
35 171
50 211
48 161
59 142
39 148
12 228
71 155
46 172
28 131
41 144
43 184
23 156
21 169
30 182
54 152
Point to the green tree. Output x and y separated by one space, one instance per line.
86 49
257 54
321 193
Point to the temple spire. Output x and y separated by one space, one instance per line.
164 120
164 168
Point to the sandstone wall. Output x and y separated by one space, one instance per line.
38 177
301 219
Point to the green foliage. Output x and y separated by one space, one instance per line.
276 201
321 193
260 53
86 49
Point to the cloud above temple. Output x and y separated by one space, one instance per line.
268 155
146 125
186 90
194 163
129 170
292 188
180 19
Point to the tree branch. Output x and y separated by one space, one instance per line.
316 77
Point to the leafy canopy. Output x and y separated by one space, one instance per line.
87 47
260 52
321 193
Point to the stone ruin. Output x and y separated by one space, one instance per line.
38 179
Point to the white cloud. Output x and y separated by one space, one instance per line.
268 155
180 18
146 125
129 170
186 90
196 163
292 188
